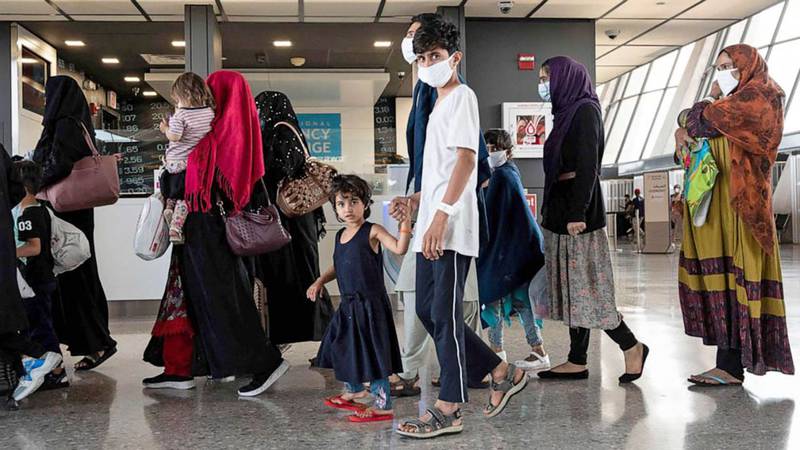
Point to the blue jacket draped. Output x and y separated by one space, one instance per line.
515 251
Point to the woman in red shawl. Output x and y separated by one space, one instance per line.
208 322
730 284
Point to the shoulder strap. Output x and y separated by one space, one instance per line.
88 138
296 133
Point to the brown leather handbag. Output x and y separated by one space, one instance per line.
255 233
301 195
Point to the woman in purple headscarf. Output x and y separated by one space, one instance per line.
577 258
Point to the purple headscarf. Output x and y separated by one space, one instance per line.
570 88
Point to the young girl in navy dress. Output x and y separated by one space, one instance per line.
361 343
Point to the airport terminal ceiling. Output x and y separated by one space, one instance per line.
244 45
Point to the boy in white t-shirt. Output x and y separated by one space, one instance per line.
447 237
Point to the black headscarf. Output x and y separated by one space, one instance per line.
62 142
283 151
64 98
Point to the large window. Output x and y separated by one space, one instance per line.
637 104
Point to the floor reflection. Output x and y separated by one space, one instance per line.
109 408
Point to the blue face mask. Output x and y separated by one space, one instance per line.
544 91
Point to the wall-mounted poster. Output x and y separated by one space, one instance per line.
324 135
529 124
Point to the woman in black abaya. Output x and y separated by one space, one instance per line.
288 272
80 310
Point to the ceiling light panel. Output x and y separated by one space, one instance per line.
105 7
336 8
410 8
649 10
575 9
261 8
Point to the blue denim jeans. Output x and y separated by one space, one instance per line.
499 312
380 389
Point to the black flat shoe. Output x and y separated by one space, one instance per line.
631 377
550 375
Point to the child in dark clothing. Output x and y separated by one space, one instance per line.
33 229
360 343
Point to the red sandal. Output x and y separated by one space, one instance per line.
369 415
339 403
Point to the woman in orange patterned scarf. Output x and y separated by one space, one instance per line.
730 281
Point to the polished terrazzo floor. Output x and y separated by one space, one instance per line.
109 409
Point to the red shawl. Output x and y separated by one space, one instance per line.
752 120
231 152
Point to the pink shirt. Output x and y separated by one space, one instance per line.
191 124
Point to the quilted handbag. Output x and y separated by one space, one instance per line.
152 232
251 233
301 195
93 181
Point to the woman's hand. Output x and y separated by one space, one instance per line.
163 126
314 291
433 241
576 228
682 139
716 91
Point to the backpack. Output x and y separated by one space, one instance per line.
68 244
152 232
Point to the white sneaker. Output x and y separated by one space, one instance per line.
534 362
35 371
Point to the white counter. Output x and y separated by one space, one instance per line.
127 277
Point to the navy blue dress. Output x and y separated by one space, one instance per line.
360 344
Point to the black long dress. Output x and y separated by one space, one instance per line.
12 313
288 272
80 308
219 293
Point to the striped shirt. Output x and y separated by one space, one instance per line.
191 124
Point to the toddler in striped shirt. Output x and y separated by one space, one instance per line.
194 113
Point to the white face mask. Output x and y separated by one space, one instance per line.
727 83
544 91
408 50
438 74
497 159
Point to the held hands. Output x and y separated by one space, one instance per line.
433 240
402 208
315 291
576 228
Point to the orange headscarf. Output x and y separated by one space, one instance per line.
752 120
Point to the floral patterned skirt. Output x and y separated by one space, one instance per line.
581 280
173 314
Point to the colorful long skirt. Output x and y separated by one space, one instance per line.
731 291
581 280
